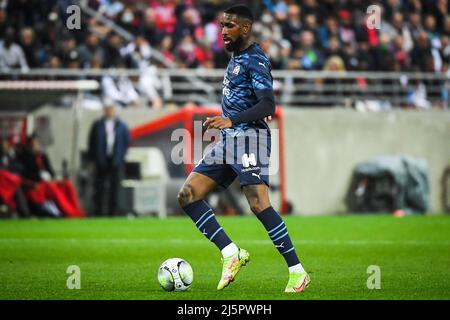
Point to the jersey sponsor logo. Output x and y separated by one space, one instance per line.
262 64
251 169
248 160
236 69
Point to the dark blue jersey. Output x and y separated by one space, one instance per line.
247 80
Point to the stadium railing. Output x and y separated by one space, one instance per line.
292 87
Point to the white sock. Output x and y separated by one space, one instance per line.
297 268
229 250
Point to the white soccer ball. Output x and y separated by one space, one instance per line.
175 274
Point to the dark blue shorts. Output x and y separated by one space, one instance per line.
238 153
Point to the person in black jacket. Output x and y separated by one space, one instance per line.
109 139
48 192
11 189
36 164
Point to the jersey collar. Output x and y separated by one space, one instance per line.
245 50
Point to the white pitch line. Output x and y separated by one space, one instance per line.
158 242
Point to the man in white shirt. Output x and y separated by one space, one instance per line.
11 54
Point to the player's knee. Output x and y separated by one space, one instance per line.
185 196
257 206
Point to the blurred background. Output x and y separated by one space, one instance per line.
362 123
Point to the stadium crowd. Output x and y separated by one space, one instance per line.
303 34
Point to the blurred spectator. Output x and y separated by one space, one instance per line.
148 86
384 59
147 28
3 22
334 64
292 26
8 157
397 27
127 20
310 58
284 56
415 24
34 54
111 8
166 48
11 192
57 198
440 12
189 25
364 57
109 140
53 62
187 52
391 7
73 60
422 58
50 31
310 23
446 29
89 49
204 55
445 49
346 30
137 53
309 7
11 54
400 55
165 14
120 90
113 57
417 96
268 28
334 48
271 49
327 31
66 50
36 164
212 32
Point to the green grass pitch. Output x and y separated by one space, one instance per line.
119 258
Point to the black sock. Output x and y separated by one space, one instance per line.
278 233
205 221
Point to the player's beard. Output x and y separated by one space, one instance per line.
235 45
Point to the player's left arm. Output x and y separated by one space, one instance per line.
262 83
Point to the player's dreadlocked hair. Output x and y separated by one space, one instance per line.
241 11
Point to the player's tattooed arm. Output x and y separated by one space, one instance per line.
217 122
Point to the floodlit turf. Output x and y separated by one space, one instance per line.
119 258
